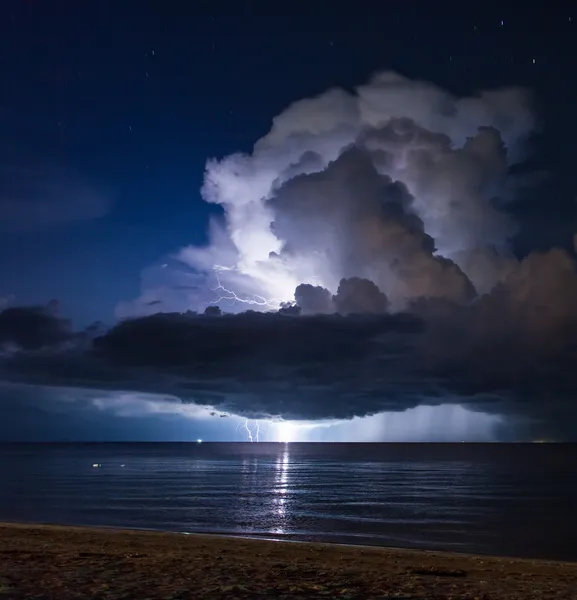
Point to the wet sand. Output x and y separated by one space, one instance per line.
53 562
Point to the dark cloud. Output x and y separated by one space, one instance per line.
510 352
33 328
313 299
359 296
34 198
251 364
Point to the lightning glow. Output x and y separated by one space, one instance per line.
286 432
231 296
277 431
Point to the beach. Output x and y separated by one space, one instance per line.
57 562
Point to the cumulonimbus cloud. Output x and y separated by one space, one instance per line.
364 251
396 182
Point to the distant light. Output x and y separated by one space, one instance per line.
122 465
286 432
96 465
199 441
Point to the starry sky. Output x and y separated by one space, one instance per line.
129 102
110 110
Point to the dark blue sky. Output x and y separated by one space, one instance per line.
128 99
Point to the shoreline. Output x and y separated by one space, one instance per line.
267 537
61 562
277 540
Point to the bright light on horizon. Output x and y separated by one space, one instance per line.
441 423
287 432
297 431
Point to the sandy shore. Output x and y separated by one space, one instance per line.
49 562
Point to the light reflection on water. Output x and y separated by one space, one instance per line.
501 499
280 489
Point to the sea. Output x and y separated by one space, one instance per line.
500 499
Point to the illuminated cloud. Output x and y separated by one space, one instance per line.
375 221
30 413
395 182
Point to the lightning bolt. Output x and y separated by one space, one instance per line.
252 435
231 296
248 431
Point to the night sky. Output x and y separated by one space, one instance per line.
109 112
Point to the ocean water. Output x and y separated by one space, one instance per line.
505 499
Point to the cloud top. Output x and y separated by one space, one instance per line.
398 182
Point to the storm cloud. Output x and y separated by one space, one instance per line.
398 182
363 265
487 356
